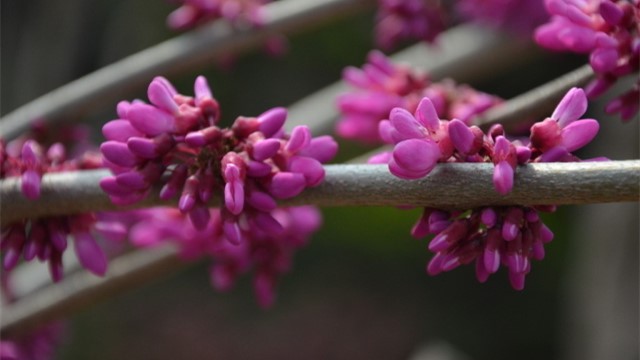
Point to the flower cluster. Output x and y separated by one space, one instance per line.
194 12
269 255
252 163
424 20
382 85
46 238
519 16
399 20
509 236
608 31
493 235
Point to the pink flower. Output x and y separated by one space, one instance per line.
490 237
511 236
608 31
194 12
556 137
46 238
382 85
401 20
267 249
520 16
178 135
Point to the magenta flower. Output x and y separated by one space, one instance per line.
520 16
420 141
400 20
493 236
266 252
194 12
608 31
251 164
46 238
556 137
382 85
510 236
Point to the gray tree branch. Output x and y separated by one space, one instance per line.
448 186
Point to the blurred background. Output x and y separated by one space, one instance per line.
359 290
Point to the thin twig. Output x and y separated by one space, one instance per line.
81 288
182 52
538 102
449 185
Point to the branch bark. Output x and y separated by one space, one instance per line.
448 186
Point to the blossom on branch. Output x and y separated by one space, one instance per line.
194 12
176 142
267 253
250 164
45 238
401 20
382 85
606 30
519 16
511 236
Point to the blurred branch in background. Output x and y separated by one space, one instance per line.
81 289
491 53
537 103
182 52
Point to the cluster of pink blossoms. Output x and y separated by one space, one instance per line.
46 238
382 85
195 12
175 141
252 163
268 254
511 236
423 20
519 16
400 20
608 31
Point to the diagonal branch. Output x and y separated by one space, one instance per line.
538 102
81 288
182 52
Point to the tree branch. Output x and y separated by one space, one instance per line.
448 186
81 288
537 103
